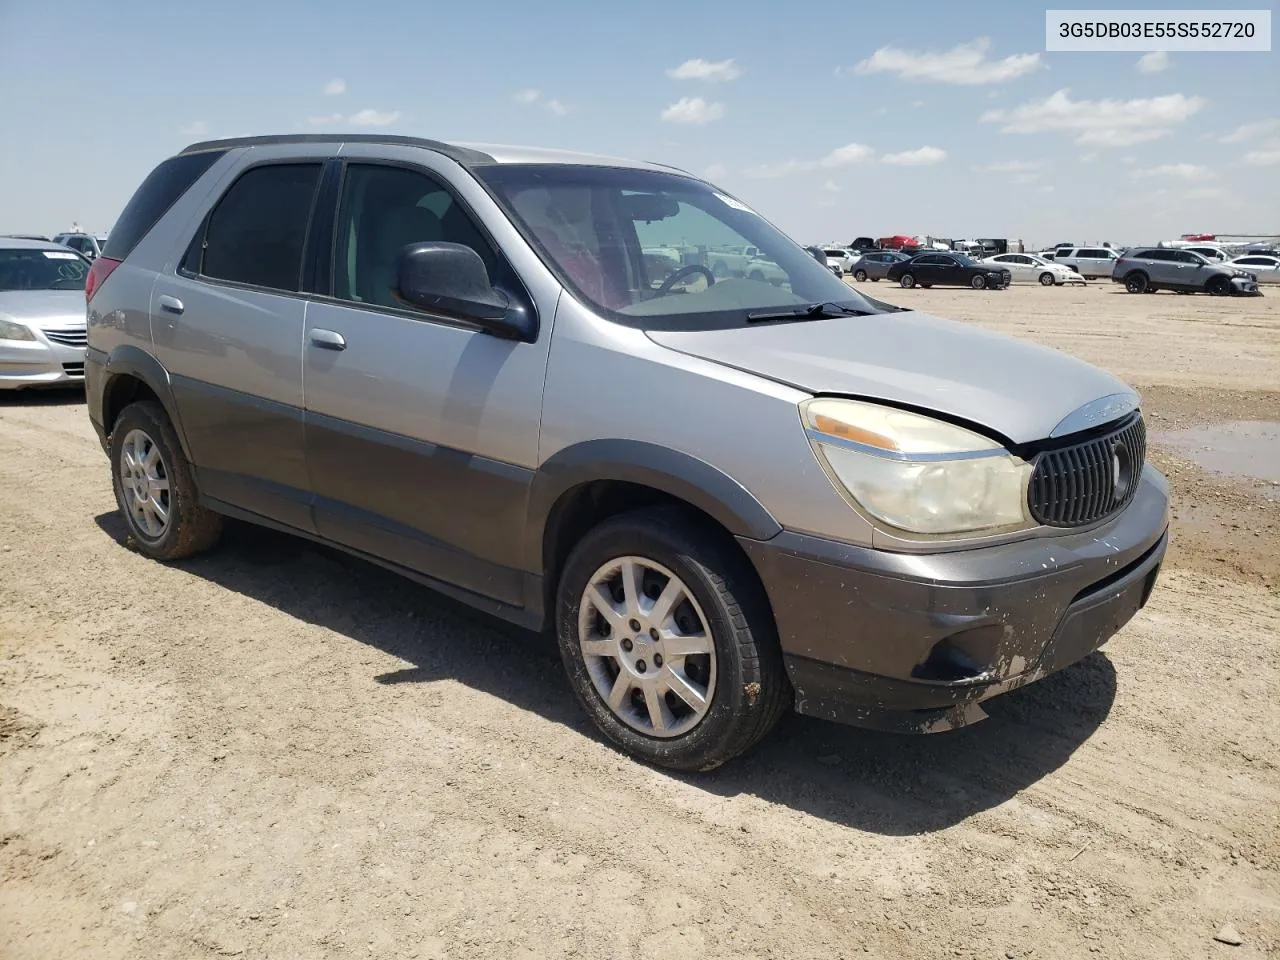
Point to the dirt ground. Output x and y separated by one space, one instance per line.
277 751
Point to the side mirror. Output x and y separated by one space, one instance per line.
450 278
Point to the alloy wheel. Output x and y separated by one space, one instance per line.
145 480
647 646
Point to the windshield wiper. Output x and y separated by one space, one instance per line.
815 311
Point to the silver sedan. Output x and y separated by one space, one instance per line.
874 266
42 311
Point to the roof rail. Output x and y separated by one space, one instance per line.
463 155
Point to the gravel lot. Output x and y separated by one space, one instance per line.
277 751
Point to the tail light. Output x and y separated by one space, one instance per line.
98 273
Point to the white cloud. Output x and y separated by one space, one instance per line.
1156 62
850 153
716 171
1025 178
831 187
196 128
1267 157
1011 166
693 110
556 107
915 158
526 96
712 71
881 111
917 104
1249 131
1099 123
1181 171
1089 157
368 117
1048 188
965 64
335 87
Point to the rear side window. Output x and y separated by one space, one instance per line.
256 233
1094 253
152 200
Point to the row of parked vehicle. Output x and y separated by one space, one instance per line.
1141 269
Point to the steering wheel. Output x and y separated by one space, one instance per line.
683 272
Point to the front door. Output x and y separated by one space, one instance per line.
227 325
421 432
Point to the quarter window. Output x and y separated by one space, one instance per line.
256 233
383 210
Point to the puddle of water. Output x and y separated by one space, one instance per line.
1244 448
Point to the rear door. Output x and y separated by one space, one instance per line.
421 431
227 324
948 271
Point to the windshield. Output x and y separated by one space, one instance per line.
661 251
965 260
42 270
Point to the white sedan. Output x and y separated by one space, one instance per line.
1030 268
1263 266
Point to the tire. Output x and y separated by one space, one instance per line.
755 275
1136 282
860 276
748 684
188 528
1219 286
978 283
1046 279
720 270
907 281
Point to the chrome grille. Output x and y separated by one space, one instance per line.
72 337
1088 481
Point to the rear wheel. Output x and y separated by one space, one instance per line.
1219 286
154 487
1136 282
668 642
860 276
1046 279
907 281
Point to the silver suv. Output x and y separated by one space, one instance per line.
1148 269
726 496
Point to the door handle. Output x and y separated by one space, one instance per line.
328 340
170 304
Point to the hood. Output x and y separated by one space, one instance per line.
1016 389
45 309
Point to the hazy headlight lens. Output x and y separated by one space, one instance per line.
916 473
14 331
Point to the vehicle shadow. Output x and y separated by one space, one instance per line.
43 397
883 783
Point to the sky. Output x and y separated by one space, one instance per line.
833 121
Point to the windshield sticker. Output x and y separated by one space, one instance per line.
736 204
59 255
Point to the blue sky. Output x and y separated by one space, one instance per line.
832 120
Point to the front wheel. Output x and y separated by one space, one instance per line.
978 283
154 487
860 276
668 642
906 281
1046 279
1219 287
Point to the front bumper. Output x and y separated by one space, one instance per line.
39 363
914 642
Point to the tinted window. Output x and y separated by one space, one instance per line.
1186 256
1162 255
24 269
1256 261
1063 251
152 200
384 209
257 231
931 260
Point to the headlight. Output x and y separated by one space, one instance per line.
14 331
916 473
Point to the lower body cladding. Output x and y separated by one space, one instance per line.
35 363
914 642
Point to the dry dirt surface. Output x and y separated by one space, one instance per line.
277 751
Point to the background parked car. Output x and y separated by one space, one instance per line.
1265 268
948 270
874 266
1089 262
82 243
1216 254
1148 269
839 258
1029 268
42 331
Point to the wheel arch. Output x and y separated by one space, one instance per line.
132 374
